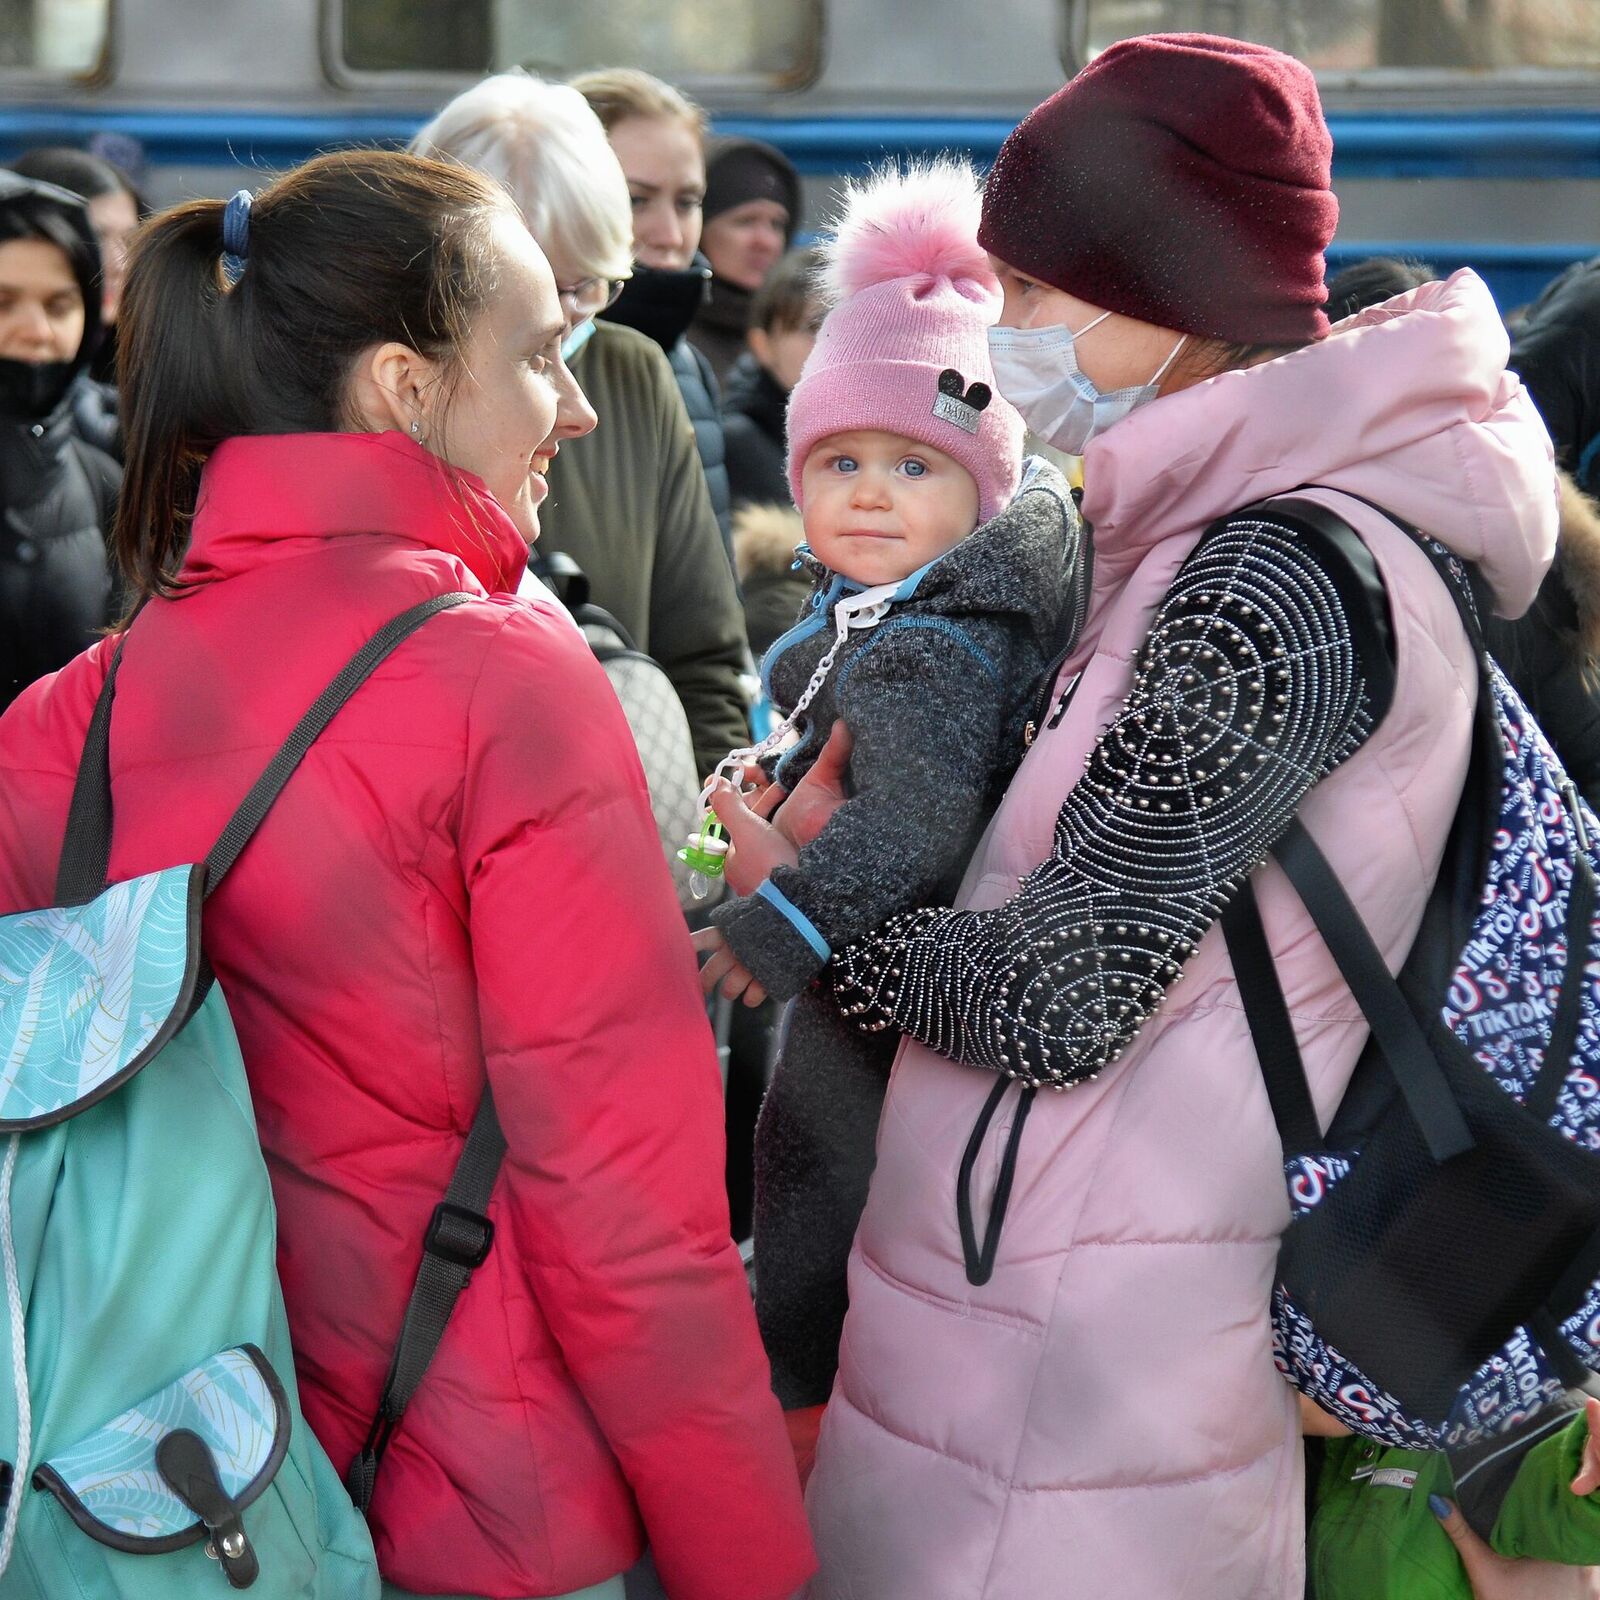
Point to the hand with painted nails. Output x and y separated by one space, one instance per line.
1495 1577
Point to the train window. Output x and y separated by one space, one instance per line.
776 44
53 38
1356 39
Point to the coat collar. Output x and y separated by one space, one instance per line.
270 494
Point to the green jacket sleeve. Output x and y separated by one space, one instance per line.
696 624
1541 1516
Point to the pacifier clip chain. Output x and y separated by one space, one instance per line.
706 851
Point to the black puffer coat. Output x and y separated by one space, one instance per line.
753 418
57 491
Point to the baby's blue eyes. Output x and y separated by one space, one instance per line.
912 467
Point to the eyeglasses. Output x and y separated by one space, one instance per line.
590 296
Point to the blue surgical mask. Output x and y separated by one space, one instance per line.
1037 370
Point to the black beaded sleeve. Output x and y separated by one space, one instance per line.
1248 690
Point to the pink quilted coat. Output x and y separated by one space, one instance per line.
1102 1420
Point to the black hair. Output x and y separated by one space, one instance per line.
35 215
1371 282
350 250
790 297
78 172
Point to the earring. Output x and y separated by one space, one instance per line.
416 430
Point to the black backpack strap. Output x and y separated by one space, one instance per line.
457 1243
1271 1030
86 849
254 807
1394 1025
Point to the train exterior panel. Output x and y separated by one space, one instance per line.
1466 131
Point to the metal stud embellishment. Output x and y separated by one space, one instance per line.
1247 691
960 403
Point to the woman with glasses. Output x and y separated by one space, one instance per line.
629 502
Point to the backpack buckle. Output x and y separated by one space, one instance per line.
459 1236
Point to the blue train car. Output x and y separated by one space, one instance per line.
1466 131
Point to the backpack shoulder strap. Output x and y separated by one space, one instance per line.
456 1244
86 849
254 807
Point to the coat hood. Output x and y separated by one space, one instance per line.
35 390
765 538
1408 404
1578 557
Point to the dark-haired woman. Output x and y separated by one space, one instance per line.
115 208
57 490
462 886
1075 1396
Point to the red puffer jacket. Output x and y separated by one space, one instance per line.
463 871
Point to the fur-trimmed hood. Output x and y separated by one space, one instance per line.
765 538
1578 563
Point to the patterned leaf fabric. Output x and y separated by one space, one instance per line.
84 989
226 1401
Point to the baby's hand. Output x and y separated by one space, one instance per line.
758 846
725 968
1588 1478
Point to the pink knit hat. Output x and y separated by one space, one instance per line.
905 349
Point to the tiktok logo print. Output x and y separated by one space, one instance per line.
1503 998
1500 1004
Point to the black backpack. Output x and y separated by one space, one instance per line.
1438 1282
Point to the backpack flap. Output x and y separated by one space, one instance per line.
91 993
182 1466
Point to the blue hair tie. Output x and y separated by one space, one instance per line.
236 226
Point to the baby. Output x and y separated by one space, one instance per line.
940 592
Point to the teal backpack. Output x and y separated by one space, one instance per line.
148 1404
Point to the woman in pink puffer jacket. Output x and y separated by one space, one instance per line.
1056 1376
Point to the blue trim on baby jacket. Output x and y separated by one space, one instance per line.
802 924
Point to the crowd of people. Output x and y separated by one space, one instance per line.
948 530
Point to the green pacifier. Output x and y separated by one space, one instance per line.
705 854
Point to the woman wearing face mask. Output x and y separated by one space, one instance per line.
659 138
629 504
752 208
57 491
1074 1394
356 417
114 212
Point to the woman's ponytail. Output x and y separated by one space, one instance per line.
349 251
178 387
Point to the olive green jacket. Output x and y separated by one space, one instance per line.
629 504
1373 1536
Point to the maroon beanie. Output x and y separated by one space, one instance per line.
1180 178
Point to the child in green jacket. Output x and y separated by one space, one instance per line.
1385 1523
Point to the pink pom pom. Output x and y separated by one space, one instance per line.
921 223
